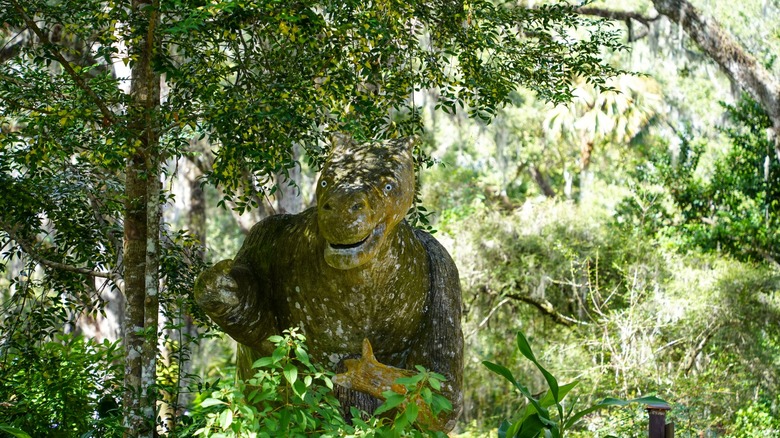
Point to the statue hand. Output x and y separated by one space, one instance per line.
372 377
216 291
369 376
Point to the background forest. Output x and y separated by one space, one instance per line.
606 177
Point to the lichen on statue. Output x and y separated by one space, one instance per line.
348 270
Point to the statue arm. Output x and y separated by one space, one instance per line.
236 294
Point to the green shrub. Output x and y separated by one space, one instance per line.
755 421
65 387
289 396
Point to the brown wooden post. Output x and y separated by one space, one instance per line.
669 430
657 426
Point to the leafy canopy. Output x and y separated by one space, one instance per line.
260 76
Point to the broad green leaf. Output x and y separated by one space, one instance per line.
299 388
290 373
211 402
223 418
279 354
411 380
263 362
529 427
17 433
271 424
411 413
525 349
501 371
392 401
427 395
227 420
503 429
302 355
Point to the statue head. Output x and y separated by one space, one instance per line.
363 192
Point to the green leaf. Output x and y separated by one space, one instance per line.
263 362
503 429
17 433
411 412
427 395
411 380
279 354
528 428
271 424
440 403
392 401
501 371
548 400
211 402
227 419
525 349
299 388
302 355
290 373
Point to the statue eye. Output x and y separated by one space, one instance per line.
388 187
323 183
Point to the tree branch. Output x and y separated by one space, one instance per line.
542 305
541 181
741 66
690 360
627 16
104 110
618 15
29 249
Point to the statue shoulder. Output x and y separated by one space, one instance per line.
443 271
436 251
276 225
277 231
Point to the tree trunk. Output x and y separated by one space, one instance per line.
541 181
142 227
741 66
135 269
288 197
196 220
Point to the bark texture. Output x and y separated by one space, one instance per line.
142 216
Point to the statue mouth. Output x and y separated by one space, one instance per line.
350 245
351 255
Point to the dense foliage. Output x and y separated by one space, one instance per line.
291 397
735 208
